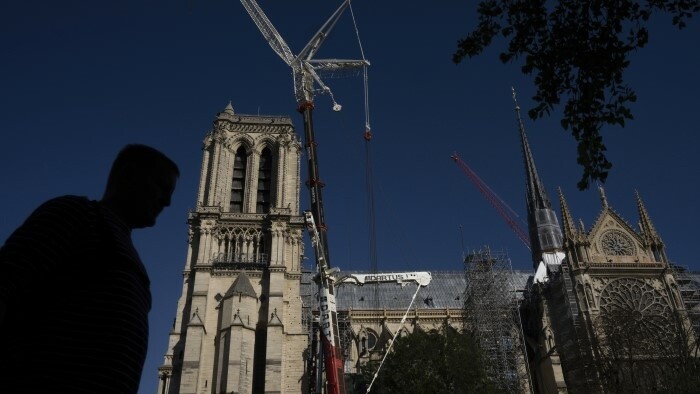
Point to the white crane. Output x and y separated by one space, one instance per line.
304 67
305 72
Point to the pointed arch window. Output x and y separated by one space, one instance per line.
264 182
238 181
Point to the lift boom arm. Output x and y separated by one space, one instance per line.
402 278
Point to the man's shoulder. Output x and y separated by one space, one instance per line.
64 208
68 200
51 228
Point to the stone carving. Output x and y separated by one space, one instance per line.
190 234
589 296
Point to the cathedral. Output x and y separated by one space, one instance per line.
600 309
604 311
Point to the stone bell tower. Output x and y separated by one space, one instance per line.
238 326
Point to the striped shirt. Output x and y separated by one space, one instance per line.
77 299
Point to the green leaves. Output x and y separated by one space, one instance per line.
578 52
438 361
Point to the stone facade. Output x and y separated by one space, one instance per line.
238 325
245 320
604 311
621 288
371 315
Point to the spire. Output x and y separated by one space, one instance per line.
536 195
545 234
603 198
568 221
645 221
651 237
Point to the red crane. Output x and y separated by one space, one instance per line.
504 210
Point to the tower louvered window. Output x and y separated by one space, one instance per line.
238 182
264 182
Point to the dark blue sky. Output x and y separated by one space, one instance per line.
80 79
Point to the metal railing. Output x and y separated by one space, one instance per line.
240 262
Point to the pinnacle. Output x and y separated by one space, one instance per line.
229 108
569 227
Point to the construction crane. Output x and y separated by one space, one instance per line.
328 316
307 82
328 321
506 212
305 71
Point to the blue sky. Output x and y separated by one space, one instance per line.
81 79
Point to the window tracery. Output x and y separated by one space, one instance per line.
240 244
636 319
617 243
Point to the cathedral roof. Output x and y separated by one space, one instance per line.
446 290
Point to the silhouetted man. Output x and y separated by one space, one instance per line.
74 294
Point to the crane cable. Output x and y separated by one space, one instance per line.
364 69
393 339
368 160
371 219
370 202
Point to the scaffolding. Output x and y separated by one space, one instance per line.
689 287
492 315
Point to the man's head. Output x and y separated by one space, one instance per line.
140 184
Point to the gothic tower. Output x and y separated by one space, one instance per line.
238 326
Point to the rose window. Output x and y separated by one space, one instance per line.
617 243
635 317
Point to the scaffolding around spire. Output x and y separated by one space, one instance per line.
545 233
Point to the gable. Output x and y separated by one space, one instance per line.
613 240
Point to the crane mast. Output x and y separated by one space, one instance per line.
304 70
328 315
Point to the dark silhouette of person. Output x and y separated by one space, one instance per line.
74 294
